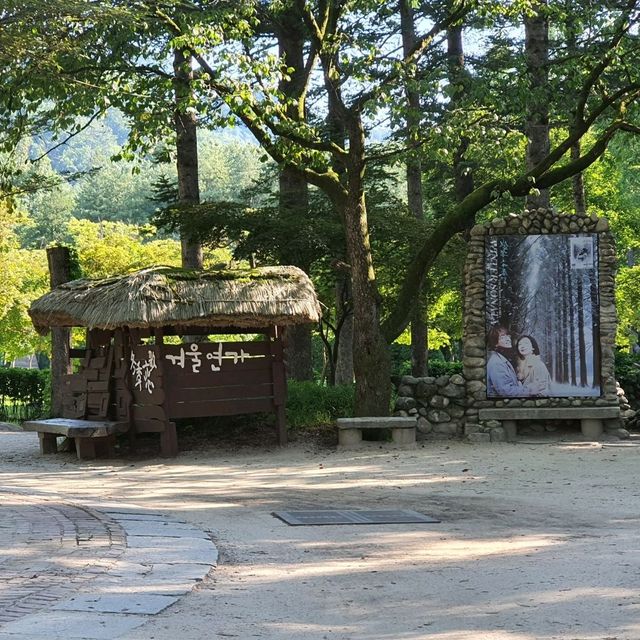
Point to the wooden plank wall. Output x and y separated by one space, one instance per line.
152 384
87 393
219 378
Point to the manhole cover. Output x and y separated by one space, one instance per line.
340 516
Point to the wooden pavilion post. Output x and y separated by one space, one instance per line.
169 436
279 383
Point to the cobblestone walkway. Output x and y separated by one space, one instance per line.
70 571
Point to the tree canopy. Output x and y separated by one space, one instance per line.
348 111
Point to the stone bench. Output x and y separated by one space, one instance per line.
590 417
91 437
403 430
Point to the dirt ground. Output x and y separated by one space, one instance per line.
537 540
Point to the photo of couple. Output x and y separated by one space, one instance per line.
542 316
515 369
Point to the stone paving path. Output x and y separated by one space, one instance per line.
91 572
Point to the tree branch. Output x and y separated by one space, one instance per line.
71 135
579 130
317 31
141 69
421 46
463 215
621 29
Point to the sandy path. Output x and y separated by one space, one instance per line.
536 541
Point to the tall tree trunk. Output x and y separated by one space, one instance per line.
419 333
344 370
59 262
298 352
458 77
344 319
294 203
371 362
577 182
463 180
293 188
186 128
537 125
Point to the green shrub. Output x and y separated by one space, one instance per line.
628 375
310 404
24 393
444 368
400 359
401 362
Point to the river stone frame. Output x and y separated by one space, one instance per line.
532 222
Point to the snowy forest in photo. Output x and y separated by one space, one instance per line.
546 287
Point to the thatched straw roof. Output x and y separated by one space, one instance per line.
160 296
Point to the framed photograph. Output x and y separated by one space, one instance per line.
542 316
581 253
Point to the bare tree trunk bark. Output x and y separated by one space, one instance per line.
579 193
344 368
419 330
463 176
344 318
371 362
298 352
537 125
59 262
577 181
293 188
293 202
186 128
344 372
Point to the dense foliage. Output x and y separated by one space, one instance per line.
628 376
23 394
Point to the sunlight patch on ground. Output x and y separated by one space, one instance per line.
487 634
390 554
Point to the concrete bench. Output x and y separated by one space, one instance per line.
91 437
590 417
403 430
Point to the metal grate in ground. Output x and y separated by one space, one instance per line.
315 517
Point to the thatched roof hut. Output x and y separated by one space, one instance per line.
161 296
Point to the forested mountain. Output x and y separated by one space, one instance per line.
121 191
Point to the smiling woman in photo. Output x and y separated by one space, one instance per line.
531 371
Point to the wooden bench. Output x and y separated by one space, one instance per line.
403 430
590 417
91 437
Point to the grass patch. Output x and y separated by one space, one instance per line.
310 405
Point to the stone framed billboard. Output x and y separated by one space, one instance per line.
542 315
549 277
